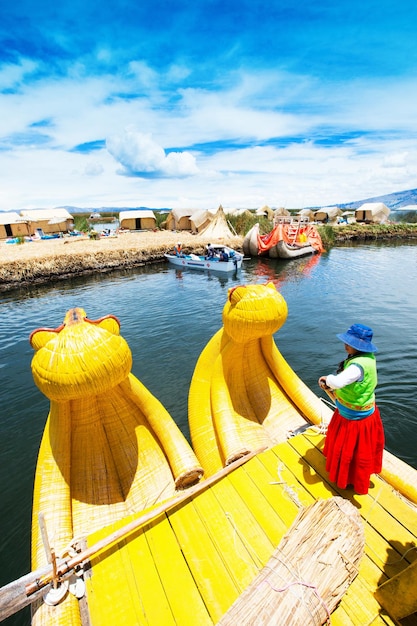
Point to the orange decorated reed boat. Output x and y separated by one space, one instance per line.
288 239
128 530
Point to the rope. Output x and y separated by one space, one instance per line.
289 490
331 404
302 583
238 549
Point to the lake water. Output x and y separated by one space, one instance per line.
167 316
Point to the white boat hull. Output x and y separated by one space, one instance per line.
201 263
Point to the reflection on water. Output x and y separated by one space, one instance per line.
168 315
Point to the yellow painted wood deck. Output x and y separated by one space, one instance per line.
190 564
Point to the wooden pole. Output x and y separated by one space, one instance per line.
85 555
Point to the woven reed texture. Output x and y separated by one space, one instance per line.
244 395
109 448
310 571
52 497
81 359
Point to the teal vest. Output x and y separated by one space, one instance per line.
360 396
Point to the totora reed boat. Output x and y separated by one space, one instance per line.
133 525
288 239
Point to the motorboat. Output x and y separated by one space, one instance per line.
219 258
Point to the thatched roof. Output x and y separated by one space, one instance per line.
10 217
376 212
180 218
201 219
266 211
39 215
330 212
306 213
218 227
135 213
281 212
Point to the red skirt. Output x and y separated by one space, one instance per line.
353 450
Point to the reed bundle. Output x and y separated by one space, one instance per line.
309 572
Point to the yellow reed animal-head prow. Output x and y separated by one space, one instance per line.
80 358
253 311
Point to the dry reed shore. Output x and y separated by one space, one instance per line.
43 261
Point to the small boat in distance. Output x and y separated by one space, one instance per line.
220 258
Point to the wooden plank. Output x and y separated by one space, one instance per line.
257 485
131 578
179 586
245 520
264 477
107 575
215 584
301 478
229 536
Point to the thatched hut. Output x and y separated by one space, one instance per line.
218 227
281 212
200 220
306 215
137 219
328 214
265 211
180 219
49 221
372 213
12 225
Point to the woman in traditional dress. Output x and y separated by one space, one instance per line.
355 436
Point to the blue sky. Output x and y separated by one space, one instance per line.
196 104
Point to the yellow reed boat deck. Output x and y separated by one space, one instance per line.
188 565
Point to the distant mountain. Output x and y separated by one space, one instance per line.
393 201
109 209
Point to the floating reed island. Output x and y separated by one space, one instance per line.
42 261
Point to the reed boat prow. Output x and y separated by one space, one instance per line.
109 448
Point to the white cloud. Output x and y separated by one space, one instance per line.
398 159
11 75
242 109
94 168
140 154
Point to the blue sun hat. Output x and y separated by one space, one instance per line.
359 337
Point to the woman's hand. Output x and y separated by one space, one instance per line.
322 382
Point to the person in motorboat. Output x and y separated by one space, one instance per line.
355 436
178 249
210 251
